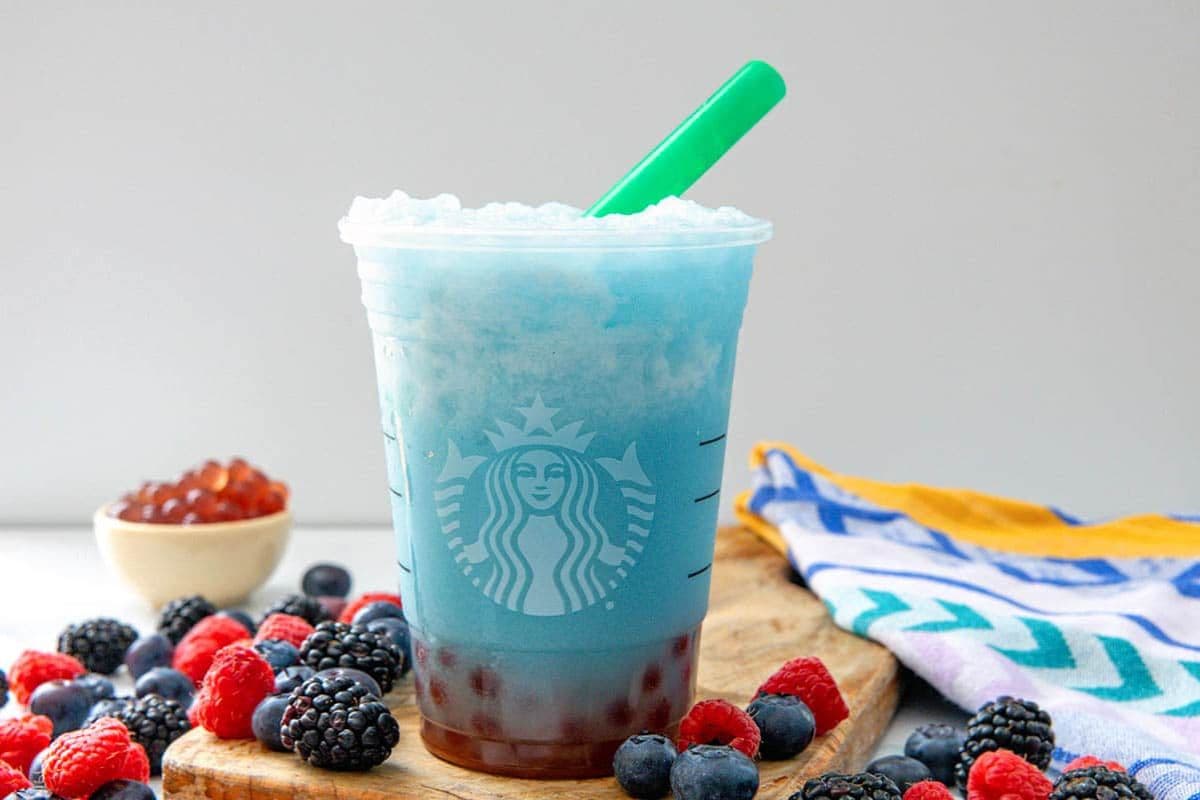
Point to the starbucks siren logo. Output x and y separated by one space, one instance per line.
539 526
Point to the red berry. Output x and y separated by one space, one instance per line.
22 738
485 682
1080 763
195 651
81 761
1004 775
11 779
136 766
928 790
284 627
238 680
33 668
809 679
370 597
719 722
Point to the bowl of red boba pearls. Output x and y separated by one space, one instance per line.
218 530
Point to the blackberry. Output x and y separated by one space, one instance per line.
298 605
1006 723
99 644
105 708
154 722
179 615
3 689
336 723
835 786
336 644
1098 783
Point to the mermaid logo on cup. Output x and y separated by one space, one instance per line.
539 526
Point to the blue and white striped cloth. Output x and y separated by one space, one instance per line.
984 596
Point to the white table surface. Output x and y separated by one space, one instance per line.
50 577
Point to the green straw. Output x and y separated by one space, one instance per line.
699 142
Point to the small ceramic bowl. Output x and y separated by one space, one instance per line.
224 561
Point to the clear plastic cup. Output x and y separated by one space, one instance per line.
554 405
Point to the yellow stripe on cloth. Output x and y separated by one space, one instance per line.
997 523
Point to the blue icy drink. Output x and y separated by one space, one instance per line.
554 392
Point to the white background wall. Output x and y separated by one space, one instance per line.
986 270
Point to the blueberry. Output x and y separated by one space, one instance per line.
358 676
291 677
713 772
166 682
36 767
147 653
786 724
326 579
104 708
903 771
937 747
397 629
279 654
66 703
123 790
97 686
380 609
34 792
237 615
643 765
266 721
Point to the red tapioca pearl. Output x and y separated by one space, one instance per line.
485 682
681 645
149 512
447 658
660 716
421 653
651 679
573 729
437 692
485 725
174 510
619 713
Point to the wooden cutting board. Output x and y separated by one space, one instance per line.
758 618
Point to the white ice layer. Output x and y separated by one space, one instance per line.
446 212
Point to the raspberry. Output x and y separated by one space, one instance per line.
82 761
33 668
719 722
136 766
238 680
195 651
349 611
284 627
809 679
928 790
1004 775
1083 762
11 779
22 738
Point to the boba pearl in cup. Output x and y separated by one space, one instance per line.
554 391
